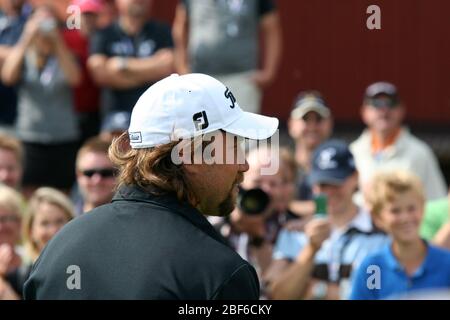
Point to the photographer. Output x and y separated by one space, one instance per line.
252 228
45 72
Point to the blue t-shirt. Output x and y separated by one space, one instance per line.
381 276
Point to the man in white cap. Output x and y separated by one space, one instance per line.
309 124
153 241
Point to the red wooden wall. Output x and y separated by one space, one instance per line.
328 47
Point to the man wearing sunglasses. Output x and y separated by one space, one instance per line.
388 145
95 175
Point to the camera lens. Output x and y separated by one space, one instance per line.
253 201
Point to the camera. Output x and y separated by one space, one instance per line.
47 25
252 201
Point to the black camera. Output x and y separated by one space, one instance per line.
253 201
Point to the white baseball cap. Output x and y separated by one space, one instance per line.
182 107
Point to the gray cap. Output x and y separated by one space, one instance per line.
309 102
381 87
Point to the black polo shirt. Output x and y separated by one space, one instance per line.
141 246
113 41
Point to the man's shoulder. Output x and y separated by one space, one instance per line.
361 143
442 255
414 144
124 235
242 283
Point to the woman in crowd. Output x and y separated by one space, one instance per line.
11 254
45 72
47 212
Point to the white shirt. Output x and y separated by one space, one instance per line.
407 153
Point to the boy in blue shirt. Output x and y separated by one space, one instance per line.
407 265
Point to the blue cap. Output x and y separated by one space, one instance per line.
332 163
116 121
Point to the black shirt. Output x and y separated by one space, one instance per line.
113 41
141 246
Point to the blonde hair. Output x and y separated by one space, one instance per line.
11 200
386 186
12 144
43 195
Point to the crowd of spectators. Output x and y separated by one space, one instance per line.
66 93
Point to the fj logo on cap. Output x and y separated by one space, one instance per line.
229 95
136 137
200 120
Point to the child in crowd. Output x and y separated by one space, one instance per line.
408 265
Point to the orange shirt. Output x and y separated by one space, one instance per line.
377 145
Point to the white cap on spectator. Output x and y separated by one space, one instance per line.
182 107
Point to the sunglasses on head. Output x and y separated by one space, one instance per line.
104 173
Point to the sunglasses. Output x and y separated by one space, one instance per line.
380 103
104 173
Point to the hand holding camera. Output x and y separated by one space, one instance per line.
40 22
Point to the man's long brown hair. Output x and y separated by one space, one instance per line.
149 168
